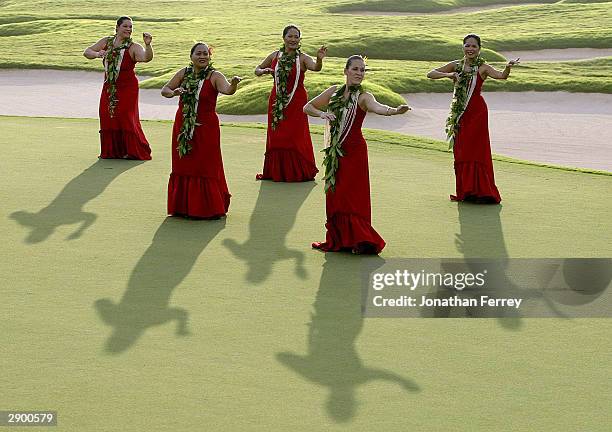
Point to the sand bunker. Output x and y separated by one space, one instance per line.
571 129
558 54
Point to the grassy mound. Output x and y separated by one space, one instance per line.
425 6
402 49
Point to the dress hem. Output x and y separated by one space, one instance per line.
283 165
197 197
123 144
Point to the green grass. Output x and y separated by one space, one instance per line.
428 6
401 49
276 341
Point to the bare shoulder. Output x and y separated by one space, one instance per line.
330 90
101 44
181 73
484 70
365 96
215 75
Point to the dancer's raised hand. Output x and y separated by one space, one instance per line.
322 53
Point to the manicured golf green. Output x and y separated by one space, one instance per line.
124 320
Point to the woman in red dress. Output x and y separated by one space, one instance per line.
289 155
347 182
121 136
468 124
197 186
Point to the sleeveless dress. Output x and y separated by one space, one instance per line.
349 220
121 136
289 154
197 186
472 150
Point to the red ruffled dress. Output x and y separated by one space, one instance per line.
474 176
349 215
197 186
289 154
121 136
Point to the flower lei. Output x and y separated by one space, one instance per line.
460 97
337 105
285 65
191 83
111 60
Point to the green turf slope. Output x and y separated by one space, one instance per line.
124 320
44 34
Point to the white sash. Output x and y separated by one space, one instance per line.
346 121
118 63
451 142
200 84
297 76
470 92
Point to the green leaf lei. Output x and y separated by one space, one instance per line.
285 64
111 58
460 97
190 84
334 151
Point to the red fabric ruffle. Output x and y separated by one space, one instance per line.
123 144
348 232
281 165
474 183
200 197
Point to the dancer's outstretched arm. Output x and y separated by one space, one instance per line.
488 70
173 87
144 55
314 107
222 85
96 50
317 65
449 70
266 66
376 107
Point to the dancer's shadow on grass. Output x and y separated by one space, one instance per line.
67 207
146 301
272 218
332 360
481 236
